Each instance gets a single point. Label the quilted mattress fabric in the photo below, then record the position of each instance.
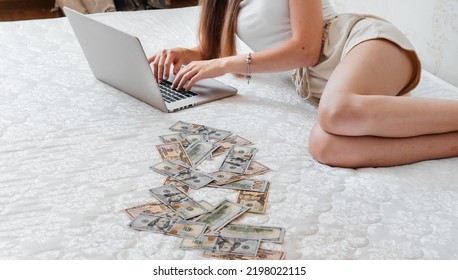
(75, 152)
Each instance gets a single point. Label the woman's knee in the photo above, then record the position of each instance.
(331, 150)
(341, 114)
(321, 145)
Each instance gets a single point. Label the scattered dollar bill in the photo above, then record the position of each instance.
(155, 208)
(263, 254)
(223, 177)
(174, 152)
(202, 243)
(245, 185)
(186, 127)
(256, 201)
(180, 202)
(179, 185)
(196, 137)
(225, 212)
(167, 226)
(175, 138)
(227, 143)
(214, 134)
(182, 173)
(223, 245)
(265, 233)
(238, 159)
(199, 151)
(206, 205)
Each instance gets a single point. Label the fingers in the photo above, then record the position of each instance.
(160, 66)
(151, 59)
(155, 66)
(162, 62)
(192, 82)
(187, 77)
(167, 63)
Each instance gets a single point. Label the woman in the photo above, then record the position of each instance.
(358, 67)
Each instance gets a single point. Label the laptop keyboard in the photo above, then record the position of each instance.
(170, 95)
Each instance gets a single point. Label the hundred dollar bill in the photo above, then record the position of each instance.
(202, 243)
(265, 233)
(238, 159)
(227, 143)
(196, 137)
(174, 152)
(223, 245)
(186, 127)
(256, 201)
(245, 185)
(206, 205)
(199, 151)
(182, 173)
(223, 177)
(222, 214)
(263, 254)
(214, 134)
(167, 226)
(181, 203)
(175, 138)
(155, 208)
(182, 187)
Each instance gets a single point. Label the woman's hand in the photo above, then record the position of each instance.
(176, 57)
(189, 75)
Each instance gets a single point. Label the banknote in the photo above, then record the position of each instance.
(182, 187)
(196, 137)
(238, 159)
(174, 152)
(199, 151)
(175, 138)
(227, 143)
(214, 134)
(245, 185)
(167, 226)
(154, 208)
(181, 203)
(223, 177)
(223, 245)
(206, 205)
(182, 173)
(202, 243)
(265, 233)
(256, 201)
(263, 254)
(222, 214)
(186, 127)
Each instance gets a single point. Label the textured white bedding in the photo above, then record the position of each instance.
(75, 152)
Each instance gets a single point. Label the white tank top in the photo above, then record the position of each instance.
(263, 24)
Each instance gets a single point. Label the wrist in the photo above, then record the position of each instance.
(233, 64)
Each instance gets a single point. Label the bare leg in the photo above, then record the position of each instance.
(359, 98)
(361, 121)
(371, 151)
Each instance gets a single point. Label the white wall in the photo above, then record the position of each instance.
(431, 25)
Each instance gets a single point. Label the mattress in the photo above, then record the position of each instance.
(75, 152)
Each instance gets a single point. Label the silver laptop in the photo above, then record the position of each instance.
(118, 59)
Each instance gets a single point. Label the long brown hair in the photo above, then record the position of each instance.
(217, 28)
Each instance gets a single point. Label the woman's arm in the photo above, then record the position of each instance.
(303, 49)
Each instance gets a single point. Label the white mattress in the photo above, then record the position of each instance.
(75, 152)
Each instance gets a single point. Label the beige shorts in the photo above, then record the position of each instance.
(340, 35)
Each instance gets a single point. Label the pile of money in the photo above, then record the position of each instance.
(201, 225)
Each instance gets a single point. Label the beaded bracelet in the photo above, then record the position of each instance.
(248, 63)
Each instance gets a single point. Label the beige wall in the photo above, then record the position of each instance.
(431, 25)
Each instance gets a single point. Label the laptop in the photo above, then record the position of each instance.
(118, 59)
